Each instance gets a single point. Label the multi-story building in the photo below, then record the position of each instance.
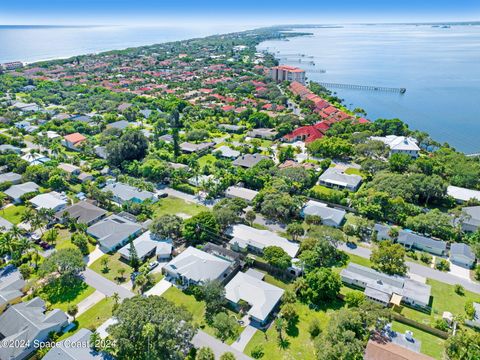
(287, 73)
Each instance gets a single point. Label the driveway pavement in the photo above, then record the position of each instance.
(104, 285)
(422, 270)
(93, 256)
(89, 301)
(202, 339)
(159, 288)
(244, 338)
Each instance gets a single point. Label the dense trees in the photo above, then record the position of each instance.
(389, 258)
(67, 263)
(201, 227)
(277, 257)
(464, 345)
(151, 328)
(319, 285)
(167, 226)
(331, 147)
(130, 146)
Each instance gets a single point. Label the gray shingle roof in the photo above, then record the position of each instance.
(337, 177)
(16, 191)
(249, 160)
(83, 211)
(113, 230)
(315, 208)
(462, 249)
(145, 244)
(126, 192)
(412, 239)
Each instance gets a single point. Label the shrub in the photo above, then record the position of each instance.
(426, 258)
(185, 188)
(314, 328)
(459, 289)
(469, 309)
(442, 265)
(441, 324)
(257, 352)
(25, 270)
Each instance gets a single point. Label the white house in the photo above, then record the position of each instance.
(330, 216)
(462, 195)
(461, 254)
(51, 201)
(399, 144)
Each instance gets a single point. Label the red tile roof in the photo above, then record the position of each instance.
(75, 138)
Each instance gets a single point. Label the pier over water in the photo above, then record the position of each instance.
(363, 87)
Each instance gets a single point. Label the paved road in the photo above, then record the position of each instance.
(184, 196)
(422, 270)
(202, 339)
(104, 285)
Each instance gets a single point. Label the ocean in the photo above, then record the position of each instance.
(439, 67)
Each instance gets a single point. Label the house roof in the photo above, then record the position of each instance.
(398, 143)
(24, 322)
(226, 151)
(379, 282)
(10, 177)
(460, 249)
(66, 349)
(463, 194)
(249, 160)
(121, 124)
(338, 177)
(11, 288)
(198, 265)
(69, 168)
(75, 138)
(113, 230)
(51, 200)
(191, 147)
(244, 236)
(145, 244)
(5, 224)
(83, 211)
(326, 213)
(390, 351)
(473, 213)
(241, 192)
(309, 132)
(409, 238)
(126, 192)
(261, 296)
(16, 191)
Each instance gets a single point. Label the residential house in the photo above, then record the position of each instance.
(75, 347)
(10, 177)
(11, 290)
(35, 158)
(5, 225)
(7, 148)
(73, 141)
(386, 289)
(147, 245)
(70, 169)
(241, 193)
(200, 148)
(471, 221)
(249, 160)
(399, 144)
(250, 239)
(415, 241)
(120, 125)
(51, 201)
(262, 297)
(263, 133)
(194, 267)
(83, 212)
(462, 195)
(306, 134)
(461, 254)
(387, 350)
(15, 192)
(335, 178)
(114, 232)
(83, 177)
(330, 216)
(231, 128)
(475, 322)
(123, 192)
(100, 151)
(26, 323)
(227, 152)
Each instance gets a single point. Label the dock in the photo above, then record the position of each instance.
(363, 87)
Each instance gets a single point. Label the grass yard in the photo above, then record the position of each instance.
(114, 265)
(359, 260)
(444, 299)
(299, 344)
(320, 189)
(431, 344)
(196, 308)
(13, 213)
(60, 296)
(93, 317)
(63, 241)
(206, 159)
(173, 205)
(353, 171)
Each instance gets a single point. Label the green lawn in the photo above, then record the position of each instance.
(196, 308)
(353, 171)
(320, 189)
(431, 344)
(13, 213)
(360, 260)
(206, 159)
(62, 296)
(114, 265)
(93, 317)
(299, 343)
(63, 241)
(444, 299)
(173, 205)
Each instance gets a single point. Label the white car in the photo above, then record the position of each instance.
(152, 265)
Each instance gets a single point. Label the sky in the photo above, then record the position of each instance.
(230, 12)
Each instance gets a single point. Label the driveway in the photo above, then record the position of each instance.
(202, 339)
(460, 271)
(93, 256)
(89, 301)
(159, 288)
(104, 285)
(244, 338)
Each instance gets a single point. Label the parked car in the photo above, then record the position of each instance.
(162, 195)
(44, 245)
(152, 265)
(35, 237)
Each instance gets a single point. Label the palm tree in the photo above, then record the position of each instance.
(2, 201)
(16, 232)
(28, 215)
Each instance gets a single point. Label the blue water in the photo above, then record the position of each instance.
(35, 43)
(440, 68)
